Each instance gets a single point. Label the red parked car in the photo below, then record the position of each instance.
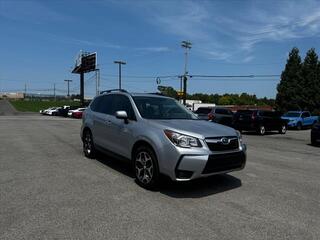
(78, 113)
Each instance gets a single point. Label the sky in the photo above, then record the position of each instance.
(40, 41)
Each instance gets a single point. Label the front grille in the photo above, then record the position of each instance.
(217, 144)
(224, 162)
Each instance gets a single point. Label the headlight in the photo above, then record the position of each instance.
(240, 137)
(181, 140)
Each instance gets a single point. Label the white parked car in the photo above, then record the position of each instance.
(53, 111)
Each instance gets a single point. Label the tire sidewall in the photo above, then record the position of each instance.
(281, 129)
(93, 151)
(155, 178)
(299, 126)
(262, 130)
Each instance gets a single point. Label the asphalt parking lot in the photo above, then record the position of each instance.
(49, 190)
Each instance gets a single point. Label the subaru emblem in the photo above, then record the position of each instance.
(225, 141)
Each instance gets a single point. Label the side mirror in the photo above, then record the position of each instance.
(122, 115)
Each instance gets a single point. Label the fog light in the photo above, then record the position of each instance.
(183, 174)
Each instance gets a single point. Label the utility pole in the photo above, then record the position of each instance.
(187, 46)
(97, 81)
(68, 82)
(54, 92)
(120, 63)
(25, 89)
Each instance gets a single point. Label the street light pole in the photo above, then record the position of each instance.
(68, 82)
(120, 63)
(187, 46)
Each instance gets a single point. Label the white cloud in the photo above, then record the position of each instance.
(248, 59)
(231, 30)
(30, 11)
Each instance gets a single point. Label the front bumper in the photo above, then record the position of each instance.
(191, 167)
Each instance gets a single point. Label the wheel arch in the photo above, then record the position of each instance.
(86, 128)
(140, 143)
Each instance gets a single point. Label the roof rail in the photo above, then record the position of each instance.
(113, 90)
(157, 93)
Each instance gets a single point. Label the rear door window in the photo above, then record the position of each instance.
(305, 114)
(102, 104)
(203, 110)
(222, 111)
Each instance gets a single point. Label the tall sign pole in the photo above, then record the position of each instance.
(97, 81)
(187, 46)
(85, 63)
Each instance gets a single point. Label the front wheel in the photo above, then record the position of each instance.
(299, 126)
(146, 167)
(283, 129)
(261, 130)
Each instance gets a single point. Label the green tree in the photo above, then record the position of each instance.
(168, 91)
(310, 81)
(289, 88)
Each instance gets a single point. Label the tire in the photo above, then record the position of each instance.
(299, 126)
(261, 130)
(88, 144)
(146, 167)
(283, 129)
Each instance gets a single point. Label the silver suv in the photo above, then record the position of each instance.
(159, 136)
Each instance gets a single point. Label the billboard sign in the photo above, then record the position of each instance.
(86, 62)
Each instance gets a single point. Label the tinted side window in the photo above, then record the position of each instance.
(94, 105)
(222, 111)
(268, 114)
(305, 114)
(105, 105)
(202, 110)
(122, 103)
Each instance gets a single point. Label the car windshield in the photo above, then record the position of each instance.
(292, 114)
(162, 108)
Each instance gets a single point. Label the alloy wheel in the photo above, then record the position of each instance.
(144, 167)
(87, 144)
(262, 130)
(283, 129)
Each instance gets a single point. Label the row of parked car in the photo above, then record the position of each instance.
(262, 121)
(64, 111)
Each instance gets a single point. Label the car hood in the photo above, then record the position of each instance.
(290, 118)
(196, 128)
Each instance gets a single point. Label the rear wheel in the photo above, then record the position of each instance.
(146, 167)
(261, 130)
(283, 129)
(88, 144)
(299, 126)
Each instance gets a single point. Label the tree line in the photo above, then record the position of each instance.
(224, 99)
(299, 87)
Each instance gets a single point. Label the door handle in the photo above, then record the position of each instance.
(108, 122)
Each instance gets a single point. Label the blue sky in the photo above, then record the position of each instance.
(40, 41)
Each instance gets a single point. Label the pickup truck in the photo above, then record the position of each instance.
(300, 119)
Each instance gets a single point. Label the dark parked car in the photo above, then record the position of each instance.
(259, 121)
(221, 115)
(315, 134)
(202, 112)
(63, 112)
